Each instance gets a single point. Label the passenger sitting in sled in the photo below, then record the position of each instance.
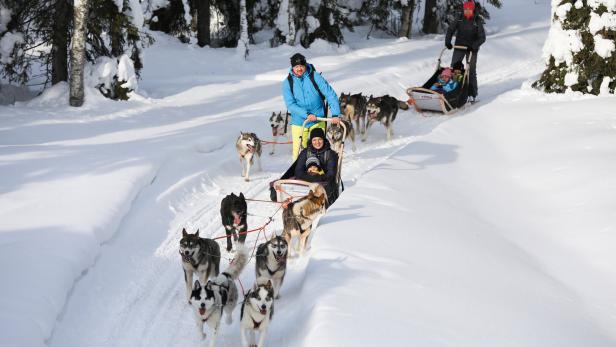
(319, 163)
(445, 82)
(458, 74)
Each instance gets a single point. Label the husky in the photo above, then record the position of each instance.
(271, 262)
(298, 217)
(233, 212)
(335, 134)
(257, 312)
(199, 255)
(382, 109)
(218, 295)
(280, 126)
(354, 109)
(248, 146)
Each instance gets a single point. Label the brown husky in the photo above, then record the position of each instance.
(298, 217)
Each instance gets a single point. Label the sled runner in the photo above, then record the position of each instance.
(425, 99)
(287, 187)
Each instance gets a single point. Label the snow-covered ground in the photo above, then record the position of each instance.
(492, 227)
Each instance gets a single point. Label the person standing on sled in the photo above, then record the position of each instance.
(318, 163)
(469, 32)
(305, 92)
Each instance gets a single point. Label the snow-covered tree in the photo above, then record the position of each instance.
(580, 48)
(78, 53)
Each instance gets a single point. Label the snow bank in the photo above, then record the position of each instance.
(494, 229)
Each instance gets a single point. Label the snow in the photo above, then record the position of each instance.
(7, 43)
(5, 18)
(126, 72)
(493, 227)
(603, 47)
(571, 78)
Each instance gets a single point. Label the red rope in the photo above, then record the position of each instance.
(276, 143)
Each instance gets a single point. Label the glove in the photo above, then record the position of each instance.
(448, 45)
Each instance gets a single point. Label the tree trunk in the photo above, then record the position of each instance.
(78, 53)
(59, 46)
(407, 19)
(203, 22)
(430, 23)
(242, 44)
(292, 20)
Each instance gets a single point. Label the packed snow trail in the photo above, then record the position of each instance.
(134, 293)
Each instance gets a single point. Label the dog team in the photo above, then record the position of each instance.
(213, 293)
(307, 96)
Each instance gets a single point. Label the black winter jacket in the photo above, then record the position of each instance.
(469, 32)
(330, 166)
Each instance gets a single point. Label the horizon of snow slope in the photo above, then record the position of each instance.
(93, 200)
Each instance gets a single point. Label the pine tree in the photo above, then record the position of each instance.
(580, 48)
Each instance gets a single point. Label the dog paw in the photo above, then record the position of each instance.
(271, 153)
(247, 179)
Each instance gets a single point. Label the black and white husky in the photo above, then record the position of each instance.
(271, 261)
(248, 146)
(233, 212)
(199, 255)
(280, 126)
(336, 134)
(381, 109)
(354, 109)
(218, 295)
(257, 312)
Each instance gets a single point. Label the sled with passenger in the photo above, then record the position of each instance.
(426, 99)
(288, 187)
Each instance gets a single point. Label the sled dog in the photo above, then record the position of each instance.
(335, 134)
(354, 109)
(233, 212)
(271, 261)
(218, 295)
(199, 255)
(298, 217)
(280, 126)
(248, 146)
(257, 312)
(381, 109)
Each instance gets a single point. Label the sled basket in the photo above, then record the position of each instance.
(425, 99)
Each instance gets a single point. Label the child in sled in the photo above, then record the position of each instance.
(445, 82)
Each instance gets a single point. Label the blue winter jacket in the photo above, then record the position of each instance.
(449, 86)
(306, 100)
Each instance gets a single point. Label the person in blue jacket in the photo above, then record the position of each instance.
(305, 92)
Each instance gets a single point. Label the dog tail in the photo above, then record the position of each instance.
(239, 262)
(403, 105)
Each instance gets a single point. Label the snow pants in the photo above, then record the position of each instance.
(458, 55)
(296, 132)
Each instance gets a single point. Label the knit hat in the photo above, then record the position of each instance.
(469, 5)
(298, 59)
(447, 72)
(313, 161)
(317, 132)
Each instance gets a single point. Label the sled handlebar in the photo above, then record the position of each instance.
(464, 48)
